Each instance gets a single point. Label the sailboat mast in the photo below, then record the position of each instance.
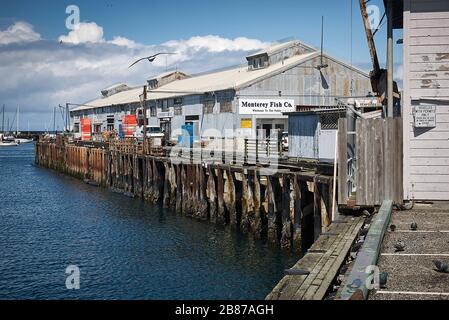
(54, 120)
(3, 119)
(17, 124)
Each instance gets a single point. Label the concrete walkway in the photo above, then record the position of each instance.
(411, 273)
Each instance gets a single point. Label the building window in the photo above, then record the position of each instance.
(177, 101)
(110, 123)
(208, 106)
(165, 106)
(97, 128)
(178, 111)
(225, 106)
(153, 112)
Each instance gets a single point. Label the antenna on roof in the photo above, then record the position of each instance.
(322, 66)
(324, 83)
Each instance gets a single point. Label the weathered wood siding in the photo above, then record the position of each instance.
(378, 166)
(426, 81)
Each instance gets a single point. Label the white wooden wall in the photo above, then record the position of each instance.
(426, 81)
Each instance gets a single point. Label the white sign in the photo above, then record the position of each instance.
(266, 106)
(165, 114)
(425, 116)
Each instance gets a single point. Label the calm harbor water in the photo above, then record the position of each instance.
(125, 249)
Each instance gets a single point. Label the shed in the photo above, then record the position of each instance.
(312, 133)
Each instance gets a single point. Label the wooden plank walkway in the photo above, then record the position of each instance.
(321, 264)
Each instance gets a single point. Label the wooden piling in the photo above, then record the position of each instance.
(286, 233)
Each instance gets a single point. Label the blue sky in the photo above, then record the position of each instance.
(150, 24)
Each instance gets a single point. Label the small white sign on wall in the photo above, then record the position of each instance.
(425, 116)
(266, 106)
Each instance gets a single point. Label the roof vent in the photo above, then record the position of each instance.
(114, 89)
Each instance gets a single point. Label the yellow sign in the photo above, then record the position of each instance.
(246, 123)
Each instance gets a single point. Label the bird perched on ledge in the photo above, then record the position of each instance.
(441, 266)
(399, 246)
(414, 226)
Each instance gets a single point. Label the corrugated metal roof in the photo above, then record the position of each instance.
(235, 78)
(217, 81)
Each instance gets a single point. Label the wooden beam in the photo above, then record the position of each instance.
(368, 254)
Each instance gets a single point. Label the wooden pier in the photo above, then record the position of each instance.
(312, 277)
(289, 207)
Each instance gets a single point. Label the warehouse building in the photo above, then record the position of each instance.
(245, 101)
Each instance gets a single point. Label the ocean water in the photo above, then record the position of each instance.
(123, 247)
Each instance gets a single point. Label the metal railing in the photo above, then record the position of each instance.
(244, 151)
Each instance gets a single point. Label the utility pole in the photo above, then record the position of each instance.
(67, 114)
(144, 102)
(390, 89)
(54, 120)
(64, 118)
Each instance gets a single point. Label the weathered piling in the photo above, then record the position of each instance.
(286, 207)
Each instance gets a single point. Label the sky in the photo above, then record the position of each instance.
(44, 64)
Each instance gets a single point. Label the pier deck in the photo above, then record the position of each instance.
(321, 263)
(411, 273)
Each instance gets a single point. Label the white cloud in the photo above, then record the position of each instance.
(19, 32)
(84, 32)
(214, 43)
(46, 73)
(124, 42)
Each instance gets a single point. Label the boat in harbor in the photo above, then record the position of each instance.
(13, 140)
(22, 141)
(7, 142)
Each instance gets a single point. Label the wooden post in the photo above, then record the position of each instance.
(271, 210)
(212, 195)
(179, 188)
(173, 186)
(221, 218)
(257, 229)
(245, 223)
(166, 196)
(316, 209)
(202, 203)
(229, 197)
(184, 189)
(286, 234)
(342, 162)
(156, 182)
(297, 213)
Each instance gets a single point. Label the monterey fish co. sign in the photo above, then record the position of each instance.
(266, 106)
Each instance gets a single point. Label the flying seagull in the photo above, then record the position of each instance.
(150, 58)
